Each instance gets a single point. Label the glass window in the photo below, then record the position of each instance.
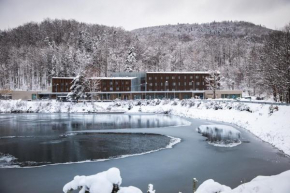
(155, 77)
(167, 77)
(128, 88)
(155, 83)
(196, 77)
(190, 83)
(150, 78)
(184, 77)
(111, 88)
(191, 77)
(173, 77)
(173, 84)
(161, 84)
(197, 83)
(150, 84)
(184, 83)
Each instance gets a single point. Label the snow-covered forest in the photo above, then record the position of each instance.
(249, 57)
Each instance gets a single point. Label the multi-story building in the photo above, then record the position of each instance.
(141, 85)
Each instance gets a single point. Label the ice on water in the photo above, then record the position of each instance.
(220, 135)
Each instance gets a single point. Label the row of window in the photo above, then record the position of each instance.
(173, 77)
(175, 84)
(117, 88)
(104, 83)
(171, 89)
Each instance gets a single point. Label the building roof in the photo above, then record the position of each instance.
(101, 78)
(196, 72)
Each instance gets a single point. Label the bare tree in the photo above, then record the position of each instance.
(213, 81)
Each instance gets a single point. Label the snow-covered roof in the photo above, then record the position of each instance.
(113, 78)
(196, 72)
(101, 78)
(63, 77)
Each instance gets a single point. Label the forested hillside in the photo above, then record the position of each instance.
(33, 53)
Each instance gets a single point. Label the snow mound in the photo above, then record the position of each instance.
(102, 182)
(130, 189)
(210, 186)
(220, 135)
(261, 184)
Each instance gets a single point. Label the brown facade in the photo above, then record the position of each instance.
(63, 84)
(176, 81)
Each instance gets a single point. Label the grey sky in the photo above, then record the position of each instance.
(132, 14)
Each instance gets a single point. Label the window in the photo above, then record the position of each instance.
(178, 77)
(105, 88)
(128, 88)
(127, 82)
(196, 77)
(150, 89)
(173, 84)
(197, 83)
(202, 83)
(161, 77)
(116, 83)
(150, 78)
(167, 77)
(150, 84)
(161, 84)
(155, 83)
(191, 77)
(155, 77)
(117, 88)
(111, 88)
(111, 82)
(178, 83)
(173, 89)
(190, 83)
(173, 77)
(184, 83)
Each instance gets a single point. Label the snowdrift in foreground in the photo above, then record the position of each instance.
(103, 182)
(221, 135)
(262, 184)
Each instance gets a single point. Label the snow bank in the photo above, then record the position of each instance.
(220, 134)
(261, 184)
(103, 182)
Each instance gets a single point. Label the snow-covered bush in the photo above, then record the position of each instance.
(104, 182)
(220, 133)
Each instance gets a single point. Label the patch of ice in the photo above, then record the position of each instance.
(220, 135)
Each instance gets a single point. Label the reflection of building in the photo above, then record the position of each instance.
(135, 85)
(141, 85)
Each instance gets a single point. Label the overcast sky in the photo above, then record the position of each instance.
(132, 14)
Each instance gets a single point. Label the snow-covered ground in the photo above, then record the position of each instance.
(261, 184)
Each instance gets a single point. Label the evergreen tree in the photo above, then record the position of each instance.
(78, 88)
(130, 60)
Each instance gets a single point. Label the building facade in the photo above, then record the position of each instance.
(142, 85)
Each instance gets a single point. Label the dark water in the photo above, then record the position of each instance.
(40, 139)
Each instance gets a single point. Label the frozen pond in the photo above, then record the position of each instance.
(41, 139)
(170, 170)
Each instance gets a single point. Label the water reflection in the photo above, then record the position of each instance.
(39, 139)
